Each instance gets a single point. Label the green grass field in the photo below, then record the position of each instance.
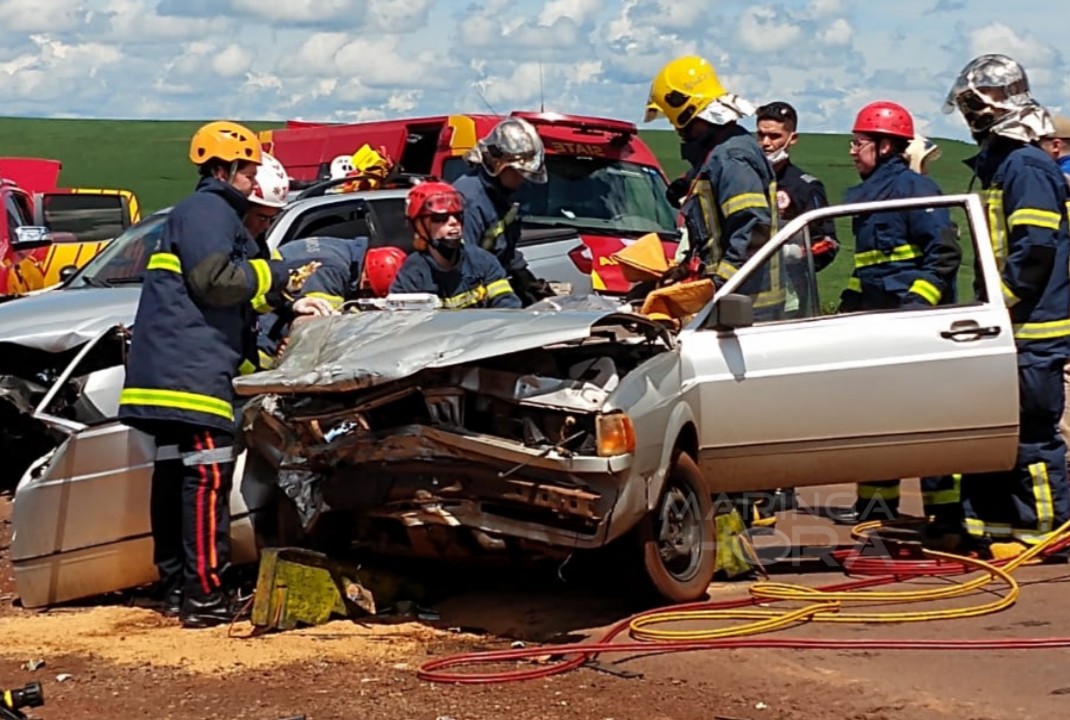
(149, 157)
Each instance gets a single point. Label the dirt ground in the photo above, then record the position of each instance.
(118, 661)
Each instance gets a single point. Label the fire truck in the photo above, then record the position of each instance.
(604, 181)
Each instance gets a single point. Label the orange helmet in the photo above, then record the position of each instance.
(381, 266)
(226, 141)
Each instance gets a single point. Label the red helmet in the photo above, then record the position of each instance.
(885, 118)
(433, 197)
(381, 265)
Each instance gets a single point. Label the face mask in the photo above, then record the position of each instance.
(448, 250)
(777, 156)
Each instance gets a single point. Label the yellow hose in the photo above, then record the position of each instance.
(827, 606)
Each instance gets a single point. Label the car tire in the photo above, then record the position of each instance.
(677, 538)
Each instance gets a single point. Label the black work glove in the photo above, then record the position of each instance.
(529, 288)
(677, 190)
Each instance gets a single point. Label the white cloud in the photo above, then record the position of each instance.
(1038, 57)
(761, 30)
(396, 16)
(580, 12)
(838, 33)
(231, 61)
(136, 21)
(309, 11)
(825, 7)
(55, 16)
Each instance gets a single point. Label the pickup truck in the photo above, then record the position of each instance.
(550, 430)
(51, 231)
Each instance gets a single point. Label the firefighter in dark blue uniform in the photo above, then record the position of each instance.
(902, 259)
(730, 206)
(193, 332)
(346, 268)
(1026, 195)
(512, 153)
(461, 275)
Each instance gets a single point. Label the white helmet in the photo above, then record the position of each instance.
(272, 183)
(341, 166)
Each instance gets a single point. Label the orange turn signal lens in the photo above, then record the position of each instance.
(616, 434)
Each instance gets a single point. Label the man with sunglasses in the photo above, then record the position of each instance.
(509, 155)
(1026, 195)
(461, 274)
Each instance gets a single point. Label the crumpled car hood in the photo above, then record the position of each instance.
(350, 352)
(63, 319)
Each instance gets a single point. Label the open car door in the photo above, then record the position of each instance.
(81, 519)
(794, 392)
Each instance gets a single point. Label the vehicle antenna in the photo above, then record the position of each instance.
(542, 99)
(479, 91)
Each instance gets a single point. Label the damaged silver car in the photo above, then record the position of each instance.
(554, 429)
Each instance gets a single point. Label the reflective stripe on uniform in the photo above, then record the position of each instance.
(948, 496)
(997, 226)
(246, 368)
(263, 276)
(744, 201)
(260, 304)
(927, 290)
(725, 270)
(879, 257)
(884, 492)
(164, 261)
(1009, 298)
(335, 301)
(177, 400)
(1042, 500)
(1035, 217)
(854, 285)
(466, 299)
(979, 528)
(498, 287)
(1042, 330)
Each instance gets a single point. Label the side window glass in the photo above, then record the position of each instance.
(888, 261)
(14, 217)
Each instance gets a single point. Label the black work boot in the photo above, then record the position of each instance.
(203, 611)
(172, 601)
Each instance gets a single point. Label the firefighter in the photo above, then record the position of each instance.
(462, 275)
(267, 199)
(1026, 195)
(509, 155)
(193, 332)
(903, 259)
(729, 207)
(346, 268)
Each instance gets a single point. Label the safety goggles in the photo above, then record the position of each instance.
(441, 217)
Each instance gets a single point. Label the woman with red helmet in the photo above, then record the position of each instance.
(461, 275)
(903, 259)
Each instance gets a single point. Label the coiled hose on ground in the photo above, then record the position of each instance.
(656, 631)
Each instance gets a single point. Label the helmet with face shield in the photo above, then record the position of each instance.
(514, 143)
(992, 93)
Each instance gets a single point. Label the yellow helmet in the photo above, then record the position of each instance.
(226, 141)
(683, 89)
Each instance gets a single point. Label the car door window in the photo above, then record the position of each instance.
(14, 215)
(793, 284)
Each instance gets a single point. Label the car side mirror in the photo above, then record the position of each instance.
(32, 236)
(732, 312)
(67, 272)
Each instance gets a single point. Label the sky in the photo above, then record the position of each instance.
(350, 60)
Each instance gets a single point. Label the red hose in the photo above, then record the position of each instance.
(880, 571)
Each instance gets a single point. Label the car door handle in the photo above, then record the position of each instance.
(966, 331)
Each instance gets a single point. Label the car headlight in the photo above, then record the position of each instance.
(615, 434)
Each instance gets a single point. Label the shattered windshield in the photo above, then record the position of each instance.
(595, 194)
(123, 261)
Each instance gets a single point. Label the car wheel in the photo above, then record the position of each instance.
(677, 538)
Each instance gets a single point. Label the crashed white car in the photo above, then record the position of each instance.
(561, 430)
